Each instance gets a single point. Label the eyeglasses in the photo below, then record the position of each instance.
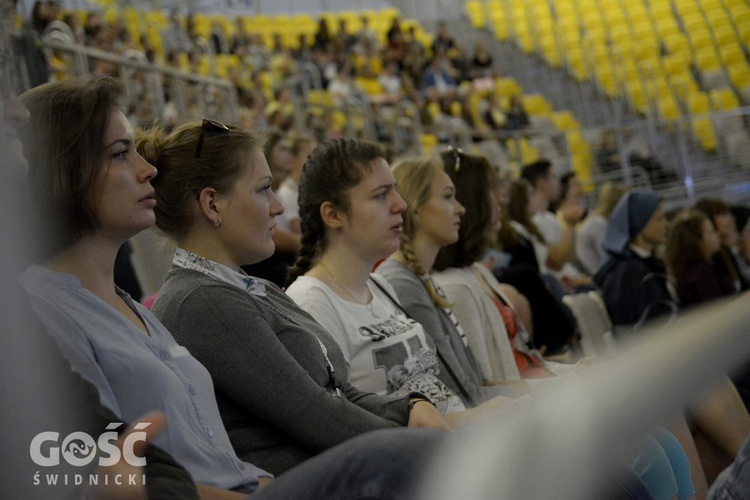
(458, 153)
(208, 126)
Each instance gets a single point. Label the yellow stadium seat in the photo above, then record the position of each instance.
(687, 7)
(507, 87)
(668, 108)
(707, 60)
(683, 84)
(620, 34)
(731, 54)
(477, 14)
(698, 103)
(739, 75)
(723, 100)
(522, 151)
(591, 19)
(724, 35)
(429, 142)
(744, 30)
(694, 22)
(577, 64)
(608, 81)
(536, 104)
(637, 96)
(500, 26)
(676, 43)
(667, 26)
(700, 38)
(675, 63)
(703, 129)
(734, 4)
(564, 120)
(549, 49)
(643, 30)
(718, 17)
(740, 14)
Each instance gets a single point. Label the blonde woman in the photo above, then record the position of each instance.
(348, 228)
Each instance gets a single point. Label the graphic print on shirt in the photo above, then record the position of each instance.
(410, 365)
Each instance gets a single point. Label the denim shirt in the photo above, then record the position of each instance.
(137, 373)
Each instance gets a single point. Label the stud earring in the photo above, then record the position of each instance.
(217, 222)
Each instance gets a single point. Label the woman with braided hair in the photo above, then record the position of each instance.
(350, 225)
(280, 378)
(430, 222)
(347, 227)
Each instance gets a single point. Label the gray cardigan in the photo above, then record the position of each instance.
(269, 370)
(417, 303)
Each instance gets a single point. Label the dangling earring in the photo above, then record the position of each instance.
(217, 222)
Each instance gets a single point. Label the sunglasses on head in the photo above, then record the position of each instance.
(208, 126)
(458, 153)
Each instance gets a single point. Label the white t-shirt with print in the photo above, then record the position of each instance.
(386, 350)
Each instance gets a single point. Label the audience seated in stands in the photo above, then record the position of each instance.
(349, 229)
(118, 345)
(268, 359)
(503, 346)
(633, 281)
(519, 238)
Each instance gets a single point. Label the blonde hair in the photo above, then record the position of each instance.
(413, 180)
(609, 194)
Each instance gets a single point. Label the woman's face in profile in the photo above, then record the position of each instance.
(123, 197)
(439, 218)
(373, 222)
(248, 214)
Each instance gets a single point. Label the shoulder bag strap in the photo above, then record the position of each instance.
(464, 392)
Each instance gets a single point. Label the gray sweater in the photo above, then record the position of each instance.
(459, 359)
(269, 370)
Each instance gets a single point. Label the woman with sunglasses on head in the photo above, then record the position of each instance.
(347, 228)
(280, 378)
(93, 191)
(496, 334)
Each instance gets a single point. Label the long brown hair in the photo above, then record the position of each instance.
(474, 179)
(520, 195)
(63, 144)
(683, 247)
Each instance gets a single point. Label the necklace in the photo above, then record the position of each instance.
(369, 304)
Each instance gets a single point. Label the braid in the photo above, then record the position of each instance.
(311, 237)
(407, 249)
